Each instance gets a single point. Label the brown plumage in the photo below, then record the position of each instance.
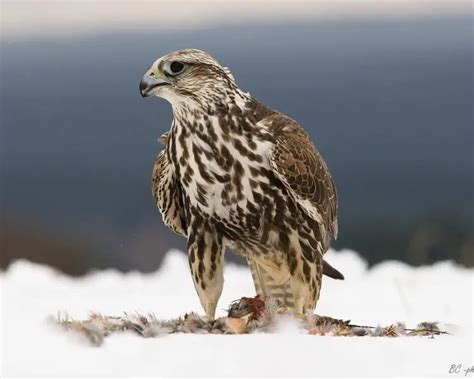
(237, 174)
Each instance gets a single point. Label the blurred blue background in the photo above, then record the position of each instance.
(387, 98)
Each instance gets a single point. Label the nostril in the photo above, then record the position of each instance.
(152, 74)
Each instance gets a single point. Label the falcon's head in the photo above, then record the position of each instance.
(184, 75)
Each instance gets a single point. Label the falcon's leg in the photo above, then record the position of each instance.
(306, 278)
(274, 283)
(271, 282)
(205, 253)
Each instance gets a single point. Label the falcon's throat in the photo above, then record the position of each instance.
(217, 114)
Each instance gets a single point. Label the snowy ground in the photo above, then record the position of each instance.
(387, 293)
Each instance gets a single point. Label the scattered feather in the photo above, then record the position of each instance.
(247, 315)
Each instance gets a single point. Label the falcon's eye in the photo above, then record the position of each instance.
(176, 67)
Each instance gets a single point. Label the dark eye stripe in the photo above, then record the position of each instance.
(176, 67)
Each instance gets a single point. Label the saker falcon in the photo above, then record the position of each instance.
(238, 174)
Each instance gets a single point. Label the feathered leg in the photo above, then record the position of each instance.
(280, 290)
(271, 282)
(296, 288)
(306, 268)
(205, 253)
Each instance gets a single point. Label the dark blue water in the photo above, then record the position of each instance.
(388, 104)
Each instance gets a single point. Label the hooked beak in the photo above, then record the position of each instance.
(149, 82)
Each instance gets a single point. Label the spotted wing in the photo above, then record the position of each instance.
(167, 195)
(301, 168)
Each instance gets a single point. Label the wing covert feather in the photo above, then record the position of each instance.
(167, 195)
(303, 171)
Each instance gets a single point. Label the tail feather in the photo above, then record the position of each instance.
(330, 271)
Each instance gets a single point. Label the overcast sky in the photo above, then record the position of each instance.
(26, 18)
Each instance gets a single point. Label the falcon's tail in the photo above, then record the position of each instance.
(330, 271)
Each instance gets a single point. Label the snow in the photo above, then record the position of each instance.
(389, 292)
